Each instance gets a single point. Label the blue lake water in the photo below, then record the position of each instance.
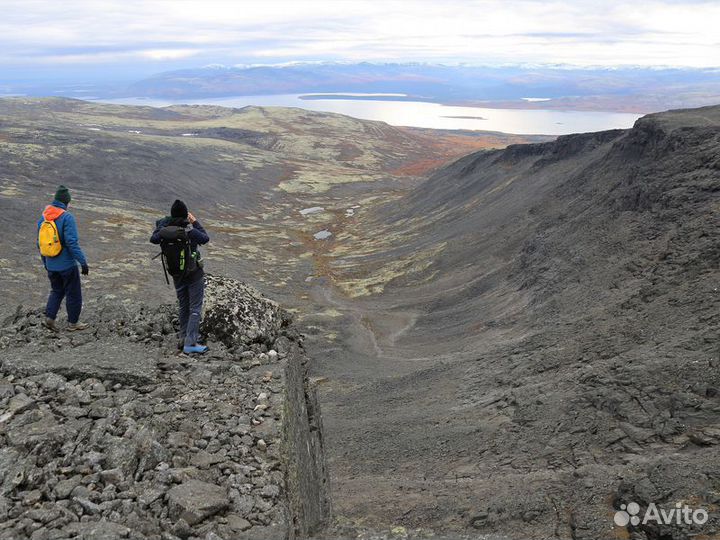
(428, 115)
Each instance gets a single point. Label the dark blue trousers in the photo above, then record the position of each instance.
(190, 298)
(65, 284)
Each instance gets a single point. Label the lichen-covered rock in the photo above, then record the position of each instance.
(236, 314)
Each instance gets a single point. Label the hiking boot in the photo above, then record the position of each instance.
(50, 324)
(76, 327)
(195, 349)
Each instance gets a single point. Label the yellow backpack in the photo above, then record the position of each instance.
(49, 239)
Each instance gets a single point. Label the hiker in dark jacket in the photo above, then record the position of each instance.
(62, 269)
(190, 287)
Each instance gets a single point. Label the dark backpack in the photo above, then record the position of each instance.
(177, 256)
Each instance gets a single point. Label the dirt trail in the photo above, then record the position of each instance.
(362, 337)
(369, 469)
(372, 329)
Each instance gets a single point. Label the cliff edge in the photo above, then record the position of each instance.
(109, 433)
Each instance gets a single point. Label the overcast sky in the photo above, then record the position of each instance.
(143, 36)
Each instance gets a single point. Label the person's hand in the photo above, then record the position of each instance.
(85, 270)
(191, 218)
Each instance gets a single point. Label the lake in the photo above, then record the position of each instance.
(424, 114)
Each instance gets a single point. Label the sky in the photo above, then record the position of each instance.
(125, 39)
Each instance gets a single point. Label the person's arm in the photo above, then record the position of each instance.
(70, 239)
(159, 224)
(197, 234)
(155, 238)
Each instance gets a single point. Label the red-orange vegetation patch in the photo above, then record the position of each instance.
(419, 167)
(287, 172)
(444, 148)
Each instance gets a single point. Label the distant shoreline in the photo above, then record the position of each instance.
(524, 118)
(623, 104)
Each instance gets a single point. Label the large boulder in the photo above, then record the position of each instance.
(237, 315)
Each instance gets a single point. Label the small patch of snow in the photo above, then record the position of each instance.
(322, 235)
(312, 210)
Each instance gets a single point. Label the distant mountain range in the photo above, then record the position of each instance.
(629, 89)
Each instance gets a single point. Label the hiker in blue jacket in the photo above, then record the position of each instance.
(190, 286)
(62, 269)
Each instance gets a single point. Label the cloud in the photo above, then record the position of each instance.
(168, 54)
(46, 32)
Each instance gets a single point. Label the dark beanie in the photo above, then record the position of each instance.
(179, 210)
(63, 195)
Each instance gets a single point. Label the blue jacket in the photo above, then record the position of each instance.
(71, 254)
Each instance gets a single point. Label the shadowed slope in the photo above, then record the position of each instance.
(562, 355)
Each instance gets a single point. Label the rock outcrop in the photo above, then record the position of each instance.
(110, 433)
(238, 316)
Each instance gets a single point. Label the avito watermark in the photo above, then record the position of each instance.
(629, 514)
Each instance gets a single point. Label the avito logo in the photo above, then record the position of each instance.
(629, 514)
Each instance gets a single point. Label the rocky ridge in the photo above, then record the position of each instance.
(109, 433)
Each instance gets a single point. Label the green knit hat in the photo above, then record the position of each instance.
(63, 195)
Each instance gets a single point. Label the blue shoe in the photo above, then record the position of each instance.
(195, 349)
